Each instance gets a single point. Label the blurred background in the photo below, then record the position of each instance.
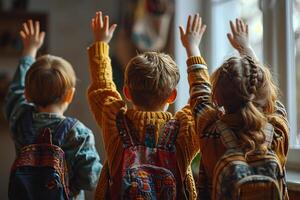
(274, 34)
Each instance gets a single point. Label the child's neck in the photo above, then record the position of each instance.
(54, 108)
(156, 109)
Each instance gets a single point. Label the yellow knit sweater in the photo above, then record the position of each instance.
(106, 103)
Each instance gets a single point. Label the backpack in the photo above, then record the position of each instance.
(254, 176)
(148, 171)
(39, 171)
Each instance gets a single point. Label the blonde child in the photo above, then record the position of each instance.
(243, 128)
(39, 94)
(135, 137)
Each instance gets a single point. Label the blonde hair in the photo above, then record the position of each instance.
(244, 87)
(48, 80)
(151, 77)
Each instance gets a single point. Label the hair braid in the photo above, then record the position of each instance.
(236, 85)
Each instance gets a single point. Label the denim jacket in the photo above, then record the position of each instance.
(79, 145)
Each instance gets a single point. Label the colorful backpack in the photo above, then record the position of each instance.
(244, 177)
(148, 171)
(39, 171)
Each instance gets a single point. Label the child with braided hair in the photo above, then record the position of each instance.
(243, 128)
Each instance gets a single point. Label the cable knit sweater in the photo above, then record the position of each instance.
(106, 103)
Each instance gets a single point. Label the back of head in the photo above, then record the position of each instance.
(151, 77)
(244, 87)
(48, 80)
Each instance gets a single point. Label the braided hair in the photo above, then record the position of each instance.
(245, 88)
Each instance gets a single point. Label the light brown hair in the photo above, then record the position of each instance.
(48, 80)
(150, 78)
(243, 86)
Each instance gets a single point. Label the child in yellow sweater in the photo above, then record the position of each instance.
(150, 85)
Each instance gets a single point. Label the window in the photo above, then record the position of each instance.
(296, 26)
(252, 15)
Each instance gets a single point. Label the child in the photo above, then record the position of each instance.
(134, 138)
(240, 119)
(39, 94)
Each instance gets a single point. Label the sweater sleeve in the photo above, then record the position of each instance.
(15, 98)
(200, 94)
(82, 158)
(104, 99)
(280, 143)
(187, 143)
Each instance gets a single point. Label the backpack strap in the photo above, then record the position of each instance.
(150, 136)
(126, 132)
(228, 137)
(62, 129)
(230, 140)
(269, 133)
(27, 128)
(168, 137)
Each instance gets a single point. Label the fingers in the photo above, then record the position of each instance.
(188, 26)
(112, 28)
(25, 28)
(42, 37)
(237, 25)
(93, 23)
(31, 28)
(194, 25)
(106, 23)
(181, 31)
(195, 22)
(202, 30)
(37, 28)
(22, 34)
(100, 18)
(198, 29)
(243, 26)
(98, 21)
(232, 27)
(230, 38)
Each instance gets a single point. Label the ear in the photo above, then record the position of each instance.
(126, 93)
(68, 98)
(172, 96)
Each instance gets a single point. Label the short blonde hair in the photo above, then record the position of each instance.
(151, 77)
(48, 80)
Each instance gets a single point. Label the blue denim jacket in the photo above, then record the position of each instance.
(79, 145)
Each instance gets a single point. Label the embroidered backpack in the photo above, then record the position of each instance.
(39, 171)
(254, 176)
(149, 171)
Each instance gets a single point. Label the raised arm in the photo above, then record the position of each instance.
(199, 80)
(32, 40)
(104, 99)
(102, 93)
(239, 38)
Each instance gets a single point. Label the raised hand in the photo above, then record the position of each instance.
(32, 38)
(239, 38)
(192, 35)
(101, 29)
